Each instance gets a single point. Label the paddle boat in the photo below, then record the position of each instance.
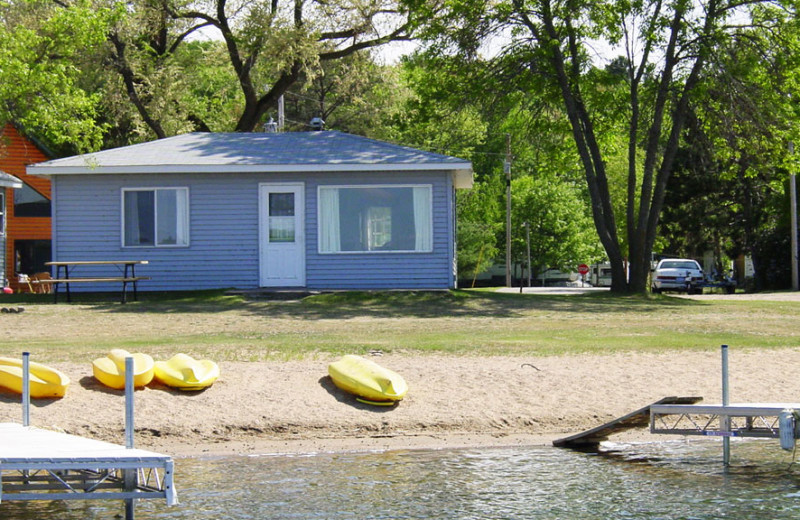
(110, 370)
(186, 373)
(44, 381)
(368, 381)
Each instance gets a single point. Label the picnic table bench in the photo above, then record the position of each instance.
(127, 269)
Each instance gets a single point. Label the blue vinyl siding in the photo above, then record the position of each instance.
(223, 246)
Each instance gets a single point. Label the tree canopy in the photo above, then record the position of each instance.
(41, 56)
(262, 47)
(664, 49)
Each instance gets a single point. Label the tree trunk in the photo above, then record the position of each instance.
(255, 109)
(120, 63)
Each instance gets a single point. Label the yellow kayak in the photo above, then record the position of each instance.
(186, 373)
(110, 370)
(370, 382)
(44, 381)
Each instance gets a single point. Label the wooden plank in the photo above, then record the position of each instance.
(636, 419)
(93, 280)
(99, 262)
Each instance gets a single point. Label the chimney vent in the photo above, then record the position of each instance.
(317, 124)
(271, 127)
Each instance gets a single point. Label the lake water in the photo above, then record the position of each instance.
(658, 480)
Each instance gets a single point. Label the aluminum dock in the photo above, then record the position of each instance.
(682, 416)
(716, 420)
(38, 464)
(726, 420)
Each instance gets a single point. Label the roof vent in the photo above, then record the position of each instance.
(317, 124)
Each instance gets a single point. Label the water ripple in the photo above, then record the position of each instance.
(664, 480)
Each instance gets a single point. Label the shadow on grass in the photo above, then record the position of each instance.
(379, 304)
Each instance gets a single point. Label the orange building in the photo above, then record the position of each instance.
(25, 211)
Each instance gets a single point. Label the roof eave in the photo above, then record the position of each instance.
(9, 181)
(464, 168)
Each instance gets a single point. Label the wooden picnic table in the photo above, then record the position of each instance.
(127, 269)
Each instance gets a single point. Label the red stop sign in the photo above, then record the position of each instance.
(583, 269)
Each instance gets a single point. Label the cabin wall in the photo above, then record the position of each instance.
(223, 249)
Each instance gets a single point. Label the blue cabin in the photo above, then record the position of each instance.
(315, 210)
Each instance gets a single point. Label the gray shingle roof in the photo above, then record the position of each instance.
(288, 151)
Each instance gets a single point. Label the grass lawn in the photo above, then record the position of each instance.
(227, 328)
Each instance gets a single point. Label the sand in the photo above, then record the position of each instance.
(292, 407)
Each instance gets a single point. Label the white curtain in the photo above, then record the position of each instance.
(330, 238)
(182, 216)
(131, 217)
(423, 219)
(139, 215)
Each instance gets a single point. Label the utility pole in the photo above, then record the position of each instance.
(793, 210)
(528, 249)
(507, 170)
(281, 114)
(793, 205)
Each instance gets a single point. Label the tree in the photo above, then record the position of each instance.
(40, 48)
(735, 158)
(561, 231)
(269, 47)
(354, 94)
(479, 223)
(465, 108)
(666, 46)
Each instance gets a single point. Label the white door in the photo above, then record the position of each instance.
(283, 258)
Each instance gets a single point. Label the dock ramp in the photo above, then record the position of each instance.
(637, 419)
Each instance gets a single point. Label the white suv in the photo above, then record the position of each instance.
(678, 274)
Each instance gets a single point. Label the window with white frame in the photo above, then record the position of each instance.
(380, 218)
(155, 217)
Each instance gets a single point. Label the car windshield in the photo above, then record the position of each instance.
(678, 265)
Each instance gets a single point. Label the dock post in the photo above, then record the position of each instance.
(129, 403)
(129, 475)
(26, 397)
(26, 389)
(725, 421)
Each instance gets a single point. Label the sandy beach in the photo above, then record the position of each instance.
(453, 401)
